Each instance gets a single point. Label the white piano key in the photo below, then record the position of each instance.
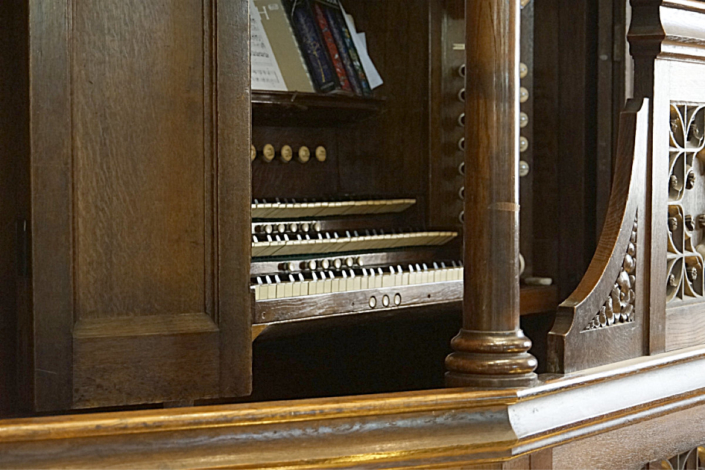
(364, 279)
(356, 281)
(346, 283)
(399, 276)
(379, 278)
(289, 286)
(271, 289)
(280, 288)
(336, 287)
(388, 280)
(328, 284)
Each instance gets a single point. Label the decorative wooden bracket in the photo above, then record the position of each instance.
(603, 319)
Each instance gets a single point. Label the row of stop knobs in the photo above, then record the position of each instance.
(324, 264)
(523, 122)
(286, 153)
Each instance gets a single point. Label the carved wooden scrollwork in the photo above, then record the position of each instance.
(686, 204)
(619, 306)
(602, 320)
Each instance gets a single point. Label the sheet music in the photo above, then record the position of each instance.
(265, 72)
(360, 41)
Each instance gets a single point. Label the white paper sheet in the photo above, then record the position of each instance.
(373, 76)
(265, 72)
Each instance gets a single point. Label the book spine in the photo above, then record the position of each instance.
(352, 50)
(315, 54)
(344, 51)
(332, 48)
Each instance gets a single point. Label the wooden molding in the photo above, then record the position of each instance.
(668, 29)
(436, 429)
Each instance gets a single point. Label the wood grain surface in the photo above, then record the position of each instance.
(140, 203)
(431, 429)
(491, 349)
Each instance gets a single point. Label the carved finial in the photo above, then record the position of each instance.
(690, 180)
(692, 272)
(675, 124)
(673, 181)
(672, 280)
(689, 224)
(700, 220)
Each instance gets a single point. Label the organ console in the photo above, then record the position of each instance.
(138, 285)
(315, 259)
(317, 255)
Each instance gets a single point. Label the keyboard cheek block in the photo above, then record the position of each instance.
(355, 302)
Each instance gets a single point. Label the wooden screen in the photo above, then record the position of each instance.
(668, 44)
(139, 130)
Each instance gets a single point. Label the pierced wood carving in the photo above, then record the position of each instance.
(694, 459)
(619, 306)
(686, 204)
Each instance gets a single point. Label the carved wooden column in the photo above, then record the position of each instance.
(491, 350)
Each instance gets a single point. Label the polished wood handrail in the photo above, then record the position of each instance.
(432, 429)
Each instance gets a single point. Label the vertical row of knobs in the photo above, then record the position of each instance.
(286, 154)
(523, 119)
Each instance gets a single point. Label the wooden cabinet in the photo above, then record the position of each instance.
(129, 140)
(125, 255)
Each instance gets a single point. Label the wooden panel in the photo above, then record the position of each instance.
(685, 327)
(445, 132)
(671, 72)
(232, 252)
(141, 201)
(52, 277)
(140, 186)
(655, 439)
(389, 154)
(603, 319)
(314, 306)
(564, 140)
(13, 144)
(161, 357)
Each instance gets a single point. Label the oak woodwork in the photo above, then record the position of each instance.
(408, 147)
(289, 109)
(490, 349)
(667, 40)
(532, 300)
(130, 341)
(654, 408)
(136, 210)
(13, 141)
(589, 330)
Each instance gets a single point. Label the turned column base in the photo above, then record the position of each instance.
(490, 360)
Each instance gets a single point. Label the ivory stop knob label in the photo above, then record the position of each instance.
(321, 154)
(304, 154)
(287, 154)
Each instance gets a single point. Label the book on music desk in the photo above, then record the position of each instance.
(284, 45)
(265, 73)
(346, 46)
(329, 40)
(306, 30)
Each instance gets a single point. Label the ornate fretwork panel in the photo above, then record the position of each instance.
(694, 459)
(686, 204)
(619, 306)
